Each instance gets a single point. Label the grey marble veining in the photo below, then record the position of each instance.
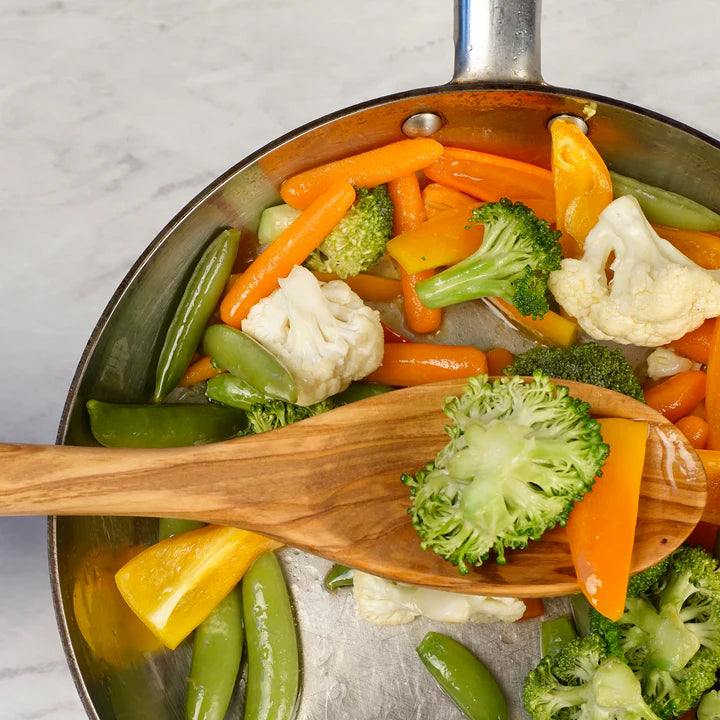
(113, 115)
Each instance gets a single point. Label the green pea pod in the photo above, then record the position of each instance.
(168, 527)
(272, 649)
(665, 207)
(201, 296)
(581, 611)
(555, 633)
(234, 391)
(135, 426)
(246, 358)
(361, 390)
(339, 576)
(217, 651)
(463, 677)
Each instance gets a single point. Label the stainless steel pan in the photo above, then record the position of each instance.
(497, 101)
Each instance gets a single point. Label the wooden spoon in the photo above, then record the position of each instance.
(330, 485)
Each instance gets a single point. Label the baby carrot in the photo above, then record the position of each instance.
(695, 429)
(490, 177)
(702, 248)
(406, 364)
(696, 343)
(367, 169)
(678, 395)
(498, 359)
(202, 369)
(438, 197)
(290, 248)
(601, 527)
(712, 393)
(408, 213)
(366, 286)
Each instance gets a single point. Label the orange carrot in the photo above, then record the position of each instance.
(582, 184)
(498, 359)
(290, 248)
(534, 608)
(201, 370)
(551, 327)
(696, 343)
(695, 429)
(366, 286)
(408, 213)
(704, 534)
(601, 527)
(678, 395)
(406, 364)
(490, 177)
(438, 197)
(367, 169)
(702, 248)
(712, 393)
(442, 240)
(711, 462)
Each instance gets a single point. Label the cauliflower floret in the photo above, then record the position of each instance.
(383, 602)
(664, 362)
(323, 332)
(656, 294)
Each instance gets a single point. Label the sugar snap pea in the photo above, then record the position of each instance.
(339, 576)
(555, 633)
(664, 207)
(246, 358)
(217, 651)
(272, 649)
(361, 390)
(200, 298)
(581, 612)
(167, 527)
(233, 391)
(134, 426)
(463, 677)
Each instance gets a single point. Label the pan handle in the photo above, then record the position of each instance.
(497, 41)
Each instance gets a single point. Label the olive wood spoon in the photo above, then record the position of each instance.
(330, 485)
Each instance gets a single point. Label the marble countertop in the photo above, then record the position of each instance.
(114, 115)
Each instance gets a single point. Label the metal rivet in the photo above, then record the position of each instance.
(574, 119)
(422, 124)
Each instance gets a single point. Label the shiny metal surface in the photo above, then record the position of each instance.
(350, 669)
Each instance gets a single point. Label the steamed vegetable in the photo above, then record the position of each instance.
(323, 333)
(679, 395)
(520, 454)
(587, 363)
(513, 263)
(358, 240)
(383, 602)
(663, 362)
(656, 295)
(709, 707)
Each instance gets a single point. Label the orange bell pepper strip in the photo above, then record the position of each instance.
(695, 429)
(490, 177)
(406, 364)
(534, 608)
(583, 188)
(696, 343)
(601, 527)
(438, 197)
(498, 359)
(711, 462)
(679, 395)
(366, 286)
(408, 213)
(444, 239)
(290, 248)
(702, 248)
(704, 534)
(367, 169)
(712, 392)
(200, 370)
(551, 327)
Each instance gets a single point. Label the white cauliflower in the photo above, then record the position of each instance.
(383, 602)
(323, 332)
(656, 294)
(664, 362)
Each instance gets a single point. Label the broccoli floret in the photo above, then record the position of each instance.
(520, 454)
(517, 254)
(275, 414)
(588, 363)
(359, 239)
(669, 633)
(709, 707)
(584, 682)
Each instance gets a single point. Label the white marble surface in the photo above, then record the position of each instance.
(113, 115)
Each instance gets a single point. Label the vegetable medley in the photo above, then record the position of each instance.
(583, 262)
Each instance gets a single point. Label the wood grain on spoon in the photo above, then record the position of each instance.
(330, 485)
